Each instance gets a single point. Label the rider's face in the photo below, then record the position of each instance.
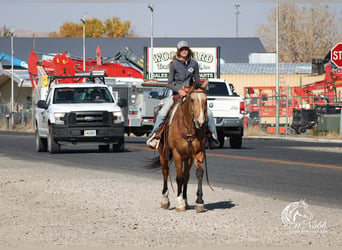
(184, 52)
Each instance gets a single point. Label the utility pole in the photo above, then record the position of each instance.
(237, 12)
(151, 7)
(277, 68)
(83, 19)
(12, 79)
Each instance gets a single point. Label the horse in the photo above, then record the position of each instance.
(184, 142)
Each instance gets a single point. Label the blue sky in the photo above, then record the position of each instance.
(171, 18)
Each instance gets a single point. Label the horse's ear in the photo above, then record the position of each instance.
(204, 85)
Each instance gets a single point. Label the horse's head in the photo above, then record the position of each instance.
(198, 107)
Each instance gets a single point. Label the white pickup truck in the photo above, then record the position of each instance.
(78, 113)
(227, 108)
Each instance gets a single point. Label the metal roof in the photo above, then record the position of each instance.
(232, 50)
(21, 77)
(266, 68)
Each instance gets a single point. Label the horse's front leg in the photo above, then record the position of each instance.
(199, 206)
(186, 174)
(181, 206)
(165, 202)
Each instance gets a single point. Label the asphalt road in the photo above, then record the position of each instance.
(281, 169)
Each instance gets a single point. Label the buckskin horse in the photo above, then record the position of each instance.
(184, 141)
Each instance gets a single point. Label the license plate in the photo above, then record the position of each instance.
(89, 132)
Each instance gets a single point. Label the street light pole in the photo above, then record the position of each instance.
(83, 23)
(277, 68)
(12, 79)
(151, 7)
(237, 12)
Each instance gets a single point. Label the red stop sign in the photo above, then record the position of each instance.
(336, 55)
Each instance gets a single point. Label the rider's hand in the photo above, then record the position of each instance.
(181, 92)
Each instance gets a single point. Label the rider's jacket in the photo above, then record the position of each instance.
(181, 74)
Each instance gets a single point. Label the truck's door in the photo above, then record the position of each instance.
(43, 117)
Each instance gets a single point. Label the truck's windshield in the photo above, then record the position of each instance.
(82, 95)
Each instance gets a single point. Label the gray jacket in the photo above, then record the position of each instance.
(181, 74)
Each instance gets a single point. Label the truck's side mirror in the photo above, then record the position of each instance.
(122, 103)
(42, 104)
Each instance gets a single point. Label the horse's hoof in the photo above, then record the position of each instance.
(181, 209)
(181, 205)
(165, 205)
(199, 208)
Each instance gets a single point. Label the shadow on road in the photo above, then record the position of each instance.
(219, 205)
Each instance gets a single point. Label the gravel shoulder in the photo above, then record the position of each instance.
(48, 205)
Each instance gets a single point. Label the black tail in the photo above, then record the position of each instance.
(153, 163)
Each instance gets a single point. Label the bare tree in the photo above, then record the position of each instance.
(304, 33)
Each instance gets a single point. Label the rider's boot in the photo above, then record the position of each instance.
(213, 143)
(153, 141)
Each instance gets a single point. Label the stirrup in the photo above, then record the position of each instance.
(213, 143)
(153, 142)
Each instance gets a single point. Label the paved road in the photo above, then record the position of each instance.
(282, 169)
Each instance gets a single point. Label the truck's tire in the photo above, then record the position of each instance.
(236, 141)
(40, 142)
(139, 132)
(120, 147)
(52, 146)
(220, 138)
(104, 148)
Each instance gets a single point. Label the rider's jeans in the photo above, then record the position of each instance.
(165, 109)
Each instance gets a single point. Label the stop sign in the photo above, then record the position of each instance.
(336, 55)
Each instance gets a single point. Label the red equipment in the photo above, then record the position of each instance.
(64, 65)
(261, 100)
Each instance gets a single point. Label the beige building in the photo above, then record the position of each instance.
(251, 75)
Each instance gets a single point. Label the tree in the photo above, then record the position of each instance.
(304, 33)
(96, 28)
(5, 32)
(115, 28)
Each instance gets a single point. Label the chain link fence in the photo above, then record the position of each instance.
(297, 114)
(22, 116)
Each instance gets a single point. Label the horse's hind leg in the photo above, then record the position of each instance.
(165, 202)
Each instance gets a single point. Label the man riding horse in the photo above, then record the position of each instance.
(183, 71)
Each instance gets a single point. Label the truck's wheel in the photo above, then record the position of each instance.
(104, 148)
(120, 147)
(40, 142)
(220, 138)
(236, 141)
(52, 146)
(139, 132)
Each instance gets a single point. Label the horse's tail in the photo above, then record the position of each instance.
(153, 163)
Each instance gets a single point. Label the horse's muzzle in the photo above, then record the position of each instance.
(199, 124)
